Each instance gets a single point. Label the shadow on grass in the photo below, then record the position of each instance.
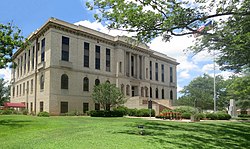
(194, 135)
(14, 123)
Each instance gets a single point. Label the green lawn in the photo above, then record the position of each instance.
(117, 133)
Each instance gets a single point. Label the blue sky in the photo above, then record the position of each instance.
(30, 15)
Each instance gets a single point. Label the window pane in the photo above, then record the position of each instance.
(97, 57)
(64, 107)
(85, 107)
(86, 54)
(85, 84)
(64, 81)
(65, 48)
(41, 106)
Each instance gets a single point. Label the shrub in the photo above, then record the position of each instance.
(43, 114)
(123, 109)
(166, 110)
(7, 111)
(103, 113)
(25, 112)
(132, 112)
(186, 115)
(244, 115)
(223, 116)
(186, 109)
(212, 116)
(200, 115)
(144, 113)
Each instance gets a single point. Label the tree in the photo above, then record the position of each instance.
(10, 39)
(167, 18)
(231, 38)
(4, 91)
(199, 92)
(107, 95)
(239, 90)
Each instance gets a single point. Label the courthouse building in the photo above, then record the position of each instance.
(63, 62)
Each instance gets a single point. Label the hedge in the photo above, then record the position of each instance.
(105, 113)
(43, 114)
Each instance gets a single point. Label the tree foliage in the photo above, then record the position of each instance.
(232, 39)
(199, 93)
(239, 90)
(10, 39)
(152, 18)
(108, 95)
(4, 91)
(168, 18)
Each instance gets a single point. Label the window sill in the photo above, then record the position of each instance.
(66, 64)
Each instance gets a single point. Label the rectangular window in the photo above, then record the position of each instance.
(65, 48)
(171, 74)
(120, 67)
(24, 63)
(27, 87)
(85, 107)
(43, 50)
(97, 106)
(23, 88)
(140, 67)
(21, 66)
(156, 71)
(13, 91)
(162, 72)
(31, 86)
(41, 106)
(97, 57)
(108, 59)
(18, 66)
(20, 91)
(17, 90)
(31, 107)
(150, 70)
(64, 107)
(33, 57)
(86, 55)
(132, 65)
(28, 60)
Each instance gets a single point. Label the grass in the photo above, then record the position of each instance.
(117, 133)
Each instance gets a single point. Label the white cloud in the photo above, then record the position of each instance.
(101, 28)
(202, 56)
(225, 74)
(209, 67)
(184, 75)
(5, 74)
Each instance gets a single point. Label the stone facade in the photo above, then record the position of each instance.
(85, 56)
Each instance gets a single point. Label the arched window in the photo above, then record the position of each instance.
(127, 90)
(146, 91)
(171, 95)
(162, 94)
(42, 82)
(122, 88)
(97, 81)
(156, 93)
(108, 81)
(86, 84)
(142, 92)
(151, 92)
(64, 81)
